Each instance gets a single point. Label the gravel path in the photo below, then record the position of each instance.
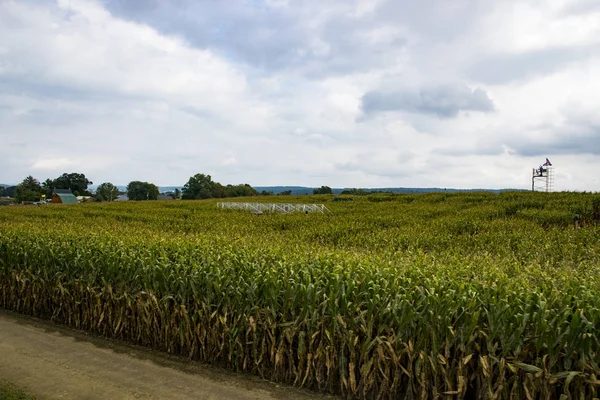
(52, 362)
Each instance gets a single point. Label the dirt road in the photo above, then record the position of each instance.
(52, 362)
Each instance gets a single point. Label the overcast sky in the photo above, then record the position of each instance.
(352, 93)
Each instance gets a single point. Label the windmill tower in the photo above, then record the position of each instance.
(542, 178)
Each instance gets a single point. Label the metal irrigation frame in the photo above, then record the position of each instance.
(284, 208)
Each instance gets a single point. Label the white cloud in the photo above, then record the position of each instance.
(80, 45)
(534, 26)
(52, 163)
(362, 7)
(270, 92)
(229, 161)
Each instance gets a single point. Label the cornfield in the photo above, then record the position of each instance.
(469, 295)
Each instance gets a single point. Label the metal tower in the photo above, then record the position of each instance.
(542, 178)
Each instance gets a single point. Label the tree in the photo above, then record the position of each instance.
(241, 190)
(10, 191)
(77, 183)
(219, 191)
(199, 186)
(1, 191)
(30, 183)
(323, 190)
(107, 192)
(137, 190)
(357, 192)
(28, 190)
(48, 187)
(286, 193)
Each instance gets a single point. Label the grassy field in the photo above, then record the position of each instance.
(390, 296)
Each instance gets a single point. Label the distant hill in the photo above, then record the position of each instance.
(301, 190)
(278, 189)
(298, 190)
(164, 189)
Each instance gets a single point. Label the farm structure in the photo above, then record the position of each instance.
(63, 196)
(542, 178)
(283, 208)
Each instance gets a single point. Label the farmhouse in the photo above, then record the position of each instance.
(63, 196)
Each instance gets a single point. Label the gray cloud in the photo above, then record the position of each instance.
(197, 112)
(46, 117)
(249, 32)
(320, 40)
(389, 163)
(284, 92)
(444, 101)
(574, 136)
(587, 144)
(35, 86)
(313, 38)
(581, 7)
(506, 68)
(479, 148)
(578, 134)
(278, 37)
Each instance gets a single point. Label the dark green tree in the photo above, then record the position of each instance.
(219, 191)
(240, 190)
(10, 191)
(78, 183)
(323, 190)
(199, 186)
(107, 192)
(30, 183)
(48, 187)
(286, 193)
(137, 190)
(1, 191)
(28, 190)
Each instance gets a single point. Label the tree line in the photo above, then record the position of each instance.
(199, 186)
(30, 189)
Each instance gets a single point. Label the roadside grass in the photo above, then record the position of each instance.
(10, 392)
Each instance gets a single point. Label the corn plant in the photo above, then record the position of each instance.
(470, 295)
